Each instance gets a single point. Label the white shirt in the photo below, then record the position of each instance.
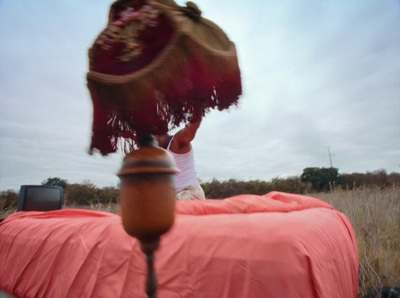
(185, 163)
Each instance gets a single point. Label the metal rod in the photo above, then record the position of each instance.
(151, 285)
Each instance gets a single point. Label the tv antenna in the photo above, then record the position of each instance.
(330, 157)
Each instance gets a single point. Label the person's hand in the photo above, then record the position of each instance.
(194, 125)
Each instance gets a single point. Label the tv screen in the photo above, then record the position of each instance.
(40, 198)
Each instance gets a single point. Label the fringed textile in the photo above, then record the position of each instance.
(155, 66)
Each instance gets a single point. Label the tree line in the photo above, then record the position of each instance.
(312, 179)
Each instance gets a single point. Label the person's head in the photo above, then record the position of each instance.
(163, 140)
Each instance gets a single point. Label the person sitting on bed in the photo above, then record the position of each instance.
(179, 145)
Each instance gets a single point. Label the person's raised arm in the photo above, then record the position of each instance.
(184, 137)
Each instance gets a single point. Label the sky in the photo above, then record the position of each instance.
(320, 78)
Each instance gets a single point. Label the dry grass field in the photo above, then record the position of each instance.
(375, 215)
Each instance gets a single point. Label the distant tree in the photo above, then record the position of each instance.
(320, 178)
(376, 178)
(213, 189)
(382, 178)
(78, 194)
(225, 189)
(108, 195)
(8, 199)
(290, 184)
(394, 179)
(55, 181)
(256, 187)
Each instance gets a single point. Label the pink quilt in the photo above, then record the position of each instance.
(276, 245)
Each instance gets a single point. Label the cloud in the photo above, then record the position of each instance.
(315, 74)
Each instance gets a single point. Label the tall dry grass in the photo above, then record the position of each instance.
(375, 216)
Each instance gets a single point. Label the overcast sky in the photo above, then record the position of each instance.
(315, 74)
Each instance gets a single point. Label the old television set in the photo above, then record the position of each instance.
(40, 198)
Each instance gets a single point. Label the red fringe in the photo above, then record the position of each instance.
(113, 130)
(177, 92)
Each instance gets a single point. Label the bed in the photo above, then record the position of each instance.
(274, 245)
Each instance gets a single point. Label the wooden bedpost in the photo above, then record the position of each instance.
(147, 199)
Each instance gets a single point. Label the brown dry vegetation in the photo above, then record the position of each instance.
(375, 215)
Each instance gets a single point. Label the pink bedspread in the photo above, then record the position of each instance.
(276, 245)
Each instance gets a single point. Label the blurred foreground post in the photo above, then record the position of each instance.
(147, 199)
